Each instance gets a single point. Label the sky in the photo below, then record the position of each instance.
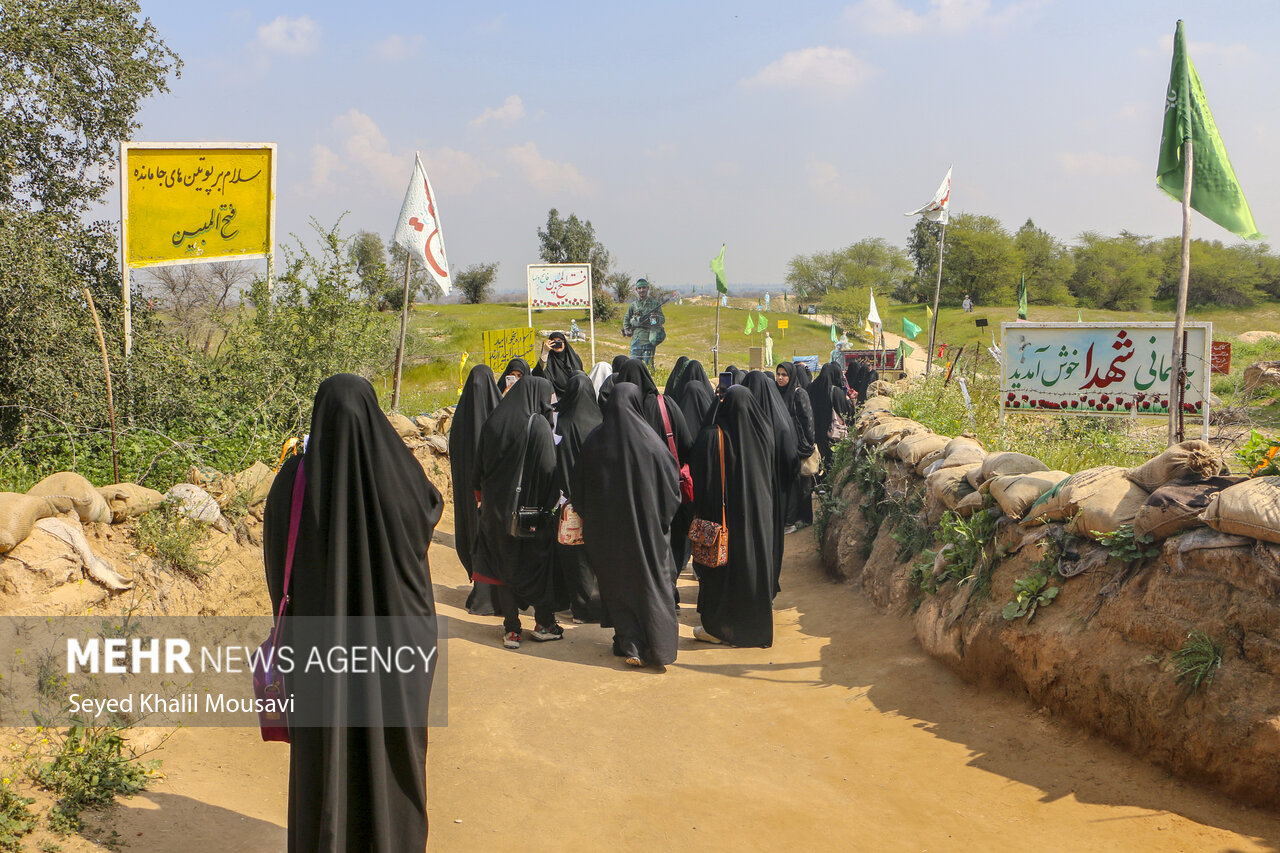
(776, 129)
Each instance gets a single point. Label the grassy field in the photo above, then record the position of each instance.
(440, 334)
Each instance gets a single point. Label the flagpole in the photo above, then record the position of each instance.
(1177, 367)
(937, 293)
(404, 326)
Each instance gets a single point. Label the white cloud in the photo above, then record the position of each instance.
(511, 111)
(365, 150)
(456, 171)
(894, 18)
(290, 35)
(823, 179)
(547, 175)
(394, 48)
(1096, 164)
(825, 68)
(1205, 52)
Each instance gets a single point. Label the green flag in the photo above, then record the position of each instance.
(1079, 316)
(1022, 298)
(1214, 189)
(751, 327)
(904, 349)
(834, 336)
(717, 267)
(761, 323)
(909, 329)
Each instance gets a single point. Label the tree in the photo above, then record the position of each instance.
(1117, 273)
(620, 284)
(72, 76)
(573, 241)
(476, 282)
(199, 298)
(980, 260)
(368, 257)
(811, 276)
(1047, 264)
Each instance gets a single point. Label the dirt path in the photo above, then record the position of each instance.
(843, 736)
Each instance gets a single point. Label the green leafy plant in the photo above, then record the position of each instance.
(1030, 593)
(16, 817)
(1198, 661)
(173, 540)
(967, 560)
(909, 530)
(1124, 546)
(91, 766)
(1259, 454)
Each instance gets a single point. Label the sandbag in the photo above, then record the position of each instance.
(893, 428)
(926, 462)
(915, 447)
(1114, 504)
(195, 503)
(949, 485)
(881, 388)
(18, 514)
(129, 500)
(997, 464)
(71, 491)
(970, 504)
(402, 425)
(1073, 492)
(964, 456)
(1251, 508)
(1176, 507)
(1016, 493)
(1191, 459)
(877, 404)
(251, 485)
(962, 441)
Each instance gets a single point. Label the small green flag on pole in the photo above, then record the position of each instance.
(717, 267)
(761, 323)
(1022, 298)
(834, 336)
(904, 349)
(1215, 192)
(751, 326)
(1080, 313)
(909, 329)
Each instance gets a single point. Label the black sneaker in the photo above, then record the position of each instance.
(550, 632)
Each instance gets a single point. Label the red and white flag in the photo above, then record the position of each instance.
(418, 230)
(936, 210)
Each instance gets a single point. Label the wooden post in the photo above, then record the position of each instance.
(404, 327)
(1177, 365)
(937, 294)
(715, 350)
(106, 371)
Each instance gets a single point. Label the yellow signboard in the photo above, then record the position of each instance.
(502, 345)
(185, 203)
(782, 324)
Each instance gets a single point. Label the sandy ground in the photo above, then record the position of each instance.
(843, 736)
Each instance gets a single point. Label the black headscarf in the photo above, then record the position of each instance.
(735, 600)
(367, 516)
(796, 401)
(675, 379)
(522, 564)
(514, 365)
(786, 455)
(628, 490)
(696, 398)
(803, 377)
(579, 415)
(478, 400)
(827, 394)
(559, 365)
(637, 374)
(859, 377)
(602, 397)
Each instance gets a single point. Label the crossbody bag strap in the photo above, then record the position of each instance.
(666, 423)
(295, 518)
(524, 449)
(723, 485)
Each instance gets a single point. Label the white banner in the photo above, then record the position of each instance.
(559, 285)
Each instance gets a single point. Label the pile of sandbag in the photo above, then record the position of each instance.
(68, 490)
(1190, 460)
(961, 450)
(889, 430)
(1250, 508)
(1179, 506)
(1094, 501)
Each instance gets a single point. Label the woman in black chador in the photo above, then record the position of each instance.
(602, 396)
(785, 459)
(627, 485)
(517, 451)
(479, 398)
(367, 515)
(736, 600)
(517, 368)
(696, 397)
(828, 395)
(560, 363)
(578, 416)
(799, 511)
(675, 379)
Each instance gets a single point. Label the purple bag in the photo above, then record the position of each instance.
(268, 682)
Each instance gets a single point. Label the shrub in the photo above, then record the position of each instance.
(91, 765)
(173, 540)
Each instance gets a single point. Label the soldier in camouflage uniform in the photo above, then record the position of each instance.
(644, 324)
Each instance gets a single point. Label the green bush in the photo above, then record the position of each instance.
(91, 766)
(16, 817)
(173, 540)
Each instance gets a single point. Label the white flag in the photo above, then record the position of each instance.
(873, 316)
(418, 230)
(936, 210)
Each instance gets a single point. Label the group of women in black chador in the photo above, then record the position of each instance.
(612, 446)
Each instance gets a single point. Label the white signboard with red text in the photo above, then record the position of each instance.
(558, 286)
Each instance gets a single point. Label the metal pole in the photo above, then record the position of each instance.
(404, 327)
(715, 350)
(937, 293)
(1184, 277)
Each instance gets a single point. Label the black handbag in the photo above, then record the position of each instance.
(528, 522)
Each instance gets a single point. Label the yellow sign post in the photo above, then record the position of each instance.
(183, 203)
(502, 345)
